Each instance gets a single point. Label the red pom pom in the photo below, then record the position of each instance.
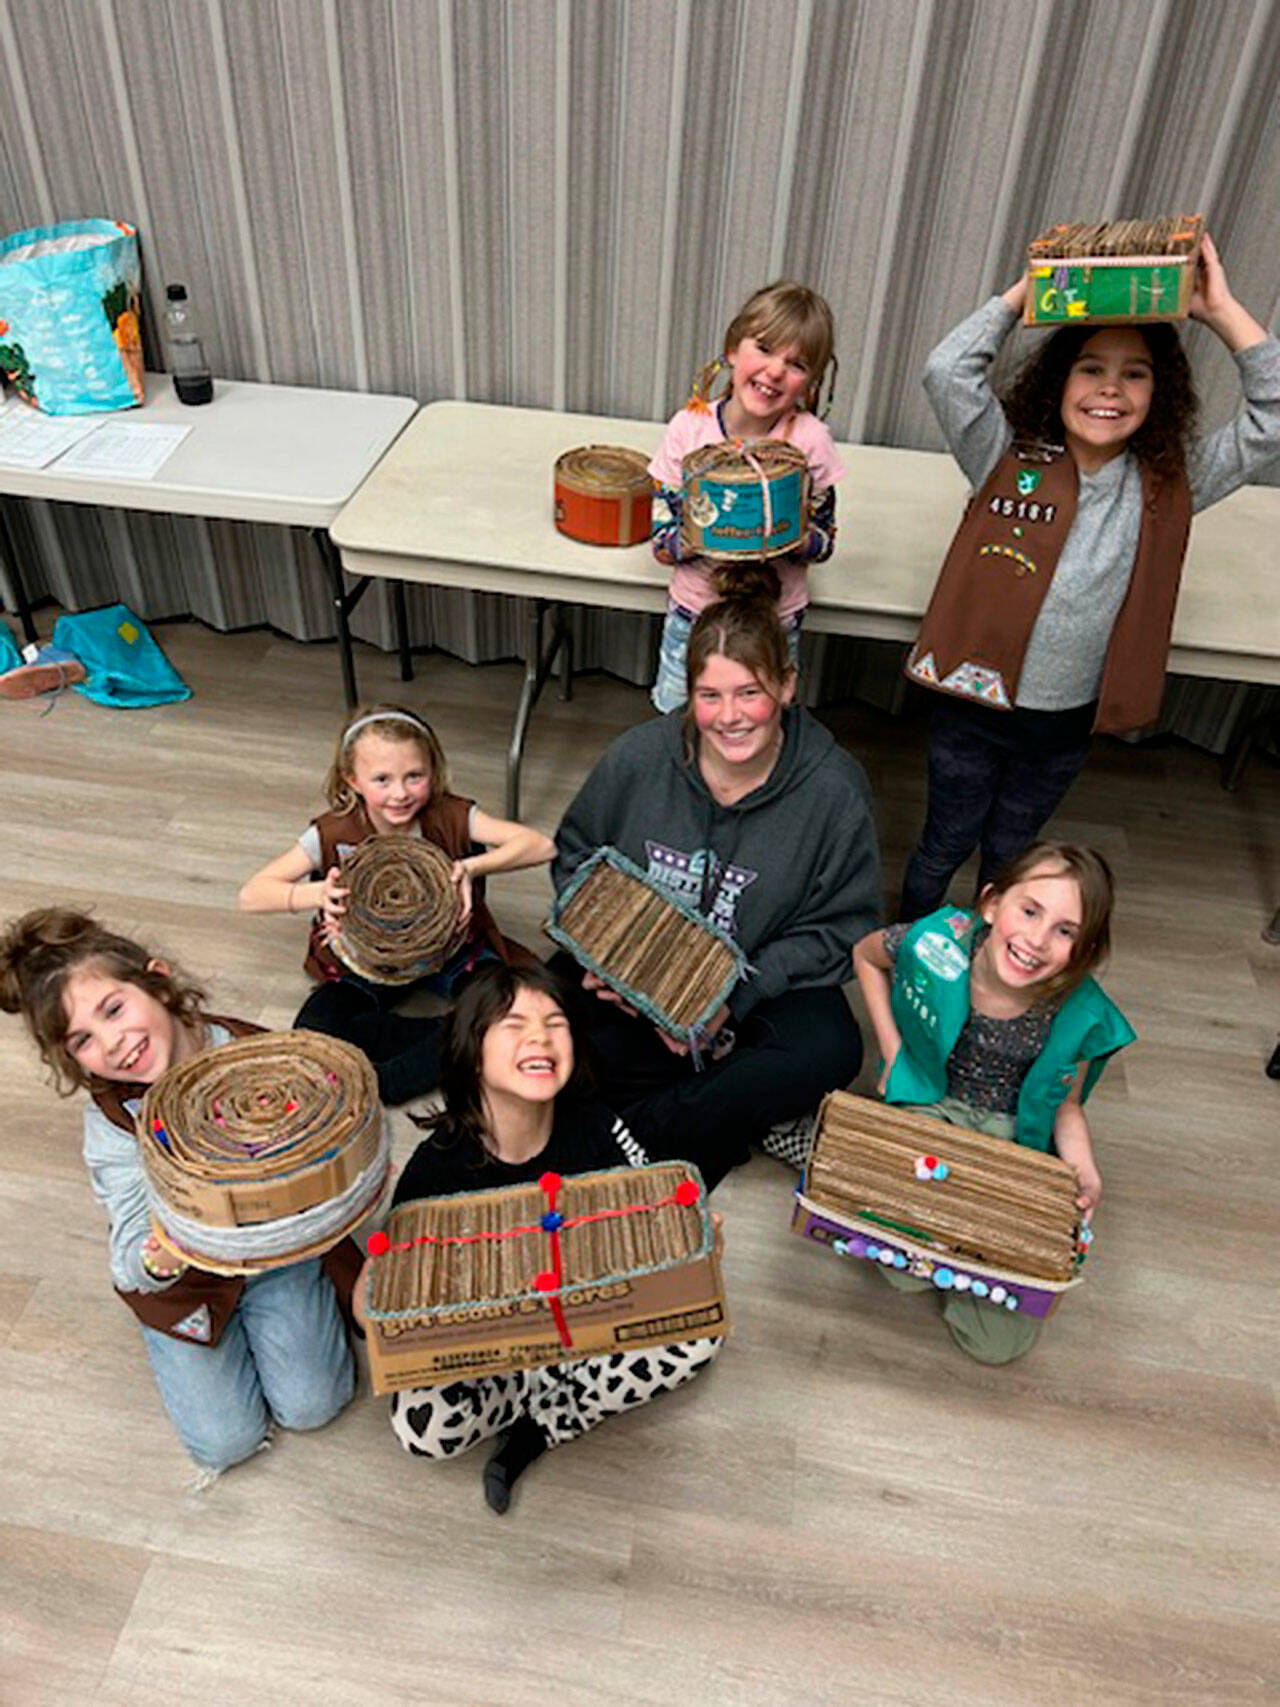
(546, 1281)
(379, 1244)
(687, 1193)
(550, 1182)
(930, 1161)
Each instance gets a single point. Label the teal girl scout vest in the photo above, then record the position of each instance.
(930, 1002)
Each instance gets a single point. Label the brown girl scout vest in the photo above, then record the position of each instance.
(446, 821)
(198, 1305)
(974, 635)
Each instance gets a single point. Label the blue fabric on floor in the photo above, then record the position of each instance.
(123, 664)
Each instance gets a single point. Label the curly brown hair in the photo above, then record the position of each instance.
(1033, 401)
(40, 952)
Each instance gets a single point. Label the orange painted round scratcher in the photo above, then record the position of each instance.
(604, 495)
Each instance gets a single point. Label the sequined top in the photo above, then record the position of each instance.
(992, 1056)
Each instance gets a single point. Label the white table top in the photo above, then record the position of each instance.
(288, 454)
(464, 499)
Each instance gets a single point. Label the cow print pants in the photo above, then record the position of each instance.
(564, 1399)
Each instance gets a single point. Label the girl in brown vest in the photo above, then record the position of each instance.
(389, 777)
(230, 1356)
(1052, 613)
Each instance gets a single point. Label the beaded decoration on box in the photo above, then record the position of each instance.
(1122, 270)
(671, 963)
(264, 1151)
(745, 498)
(404, 913)
(604, 495)
(971, 1213)
(489, 1281)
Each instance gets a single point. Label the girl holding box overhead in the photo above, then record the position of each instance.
(1052, 614)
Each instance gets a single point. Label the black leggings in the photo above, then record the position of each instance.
(404, 1048)
(789, 1052)
(995, 779)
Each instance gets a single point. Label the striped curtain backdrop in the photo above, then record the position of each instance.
(560, 203)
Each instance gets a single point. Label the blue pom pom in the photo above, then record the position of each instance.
(552, 1221)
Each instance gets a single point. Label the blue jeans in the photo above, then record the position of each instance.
(284, 1354)
(671, 688)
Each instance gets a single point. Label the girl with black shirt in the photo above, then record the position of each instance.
(513, 1111)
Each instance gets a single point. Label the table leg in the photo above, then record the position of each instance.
(16, 592)
(566, 655)
(344, 603)
(1255, 726)
(537, 667)
(402, 630)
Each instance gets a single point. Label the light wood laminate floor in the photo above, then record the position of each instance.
(844, 1508)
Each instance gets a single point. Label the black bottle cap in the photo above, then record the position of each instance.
(176, 292)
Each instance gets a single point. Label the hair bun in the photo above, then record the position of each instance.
(747, 582)
(23, 942)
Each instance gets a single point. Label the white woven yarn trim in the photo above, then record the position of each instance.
(291, 1232)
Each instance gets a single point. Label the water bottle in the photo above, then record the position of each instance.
(192, 380)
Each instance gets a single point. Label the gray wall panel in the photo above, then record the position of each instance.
(427, 368)
(369, 87)
(529, 241)
(597, 117)
(637, 224)
(481, 74)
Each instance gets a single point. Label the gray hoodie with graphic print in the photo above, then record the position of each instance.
(792, 870)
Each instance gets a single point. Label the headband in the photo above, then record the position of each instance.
(383, 717)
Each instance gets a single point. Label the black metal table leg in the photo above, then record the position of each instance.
(344, 603)
(402, 630)
(13, 569)
(537, 667)
(566, 654)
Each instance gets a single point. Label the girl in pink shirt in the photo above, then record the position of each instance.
(778, 349)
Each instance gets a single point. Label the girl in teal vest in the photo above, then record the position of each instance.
(990, 1019)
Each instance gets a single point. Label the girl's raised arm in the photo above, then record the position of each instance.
(957, 382)
(1218, 463)
(1213, 303)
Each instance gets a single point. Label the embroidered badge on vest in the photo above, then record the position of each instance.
(977, 681)
(944, 958)
(972, 681)
(197, 1326)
